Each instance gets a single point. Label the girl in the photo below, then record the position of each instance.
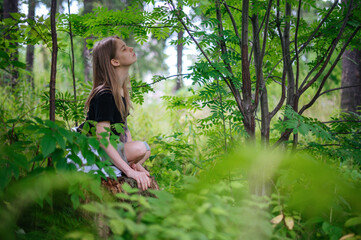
(109, 103)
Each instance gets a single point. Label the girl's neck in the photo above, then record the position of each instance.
(122, 74)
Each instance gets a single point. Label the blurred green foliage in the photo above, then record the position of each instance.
(213, 184)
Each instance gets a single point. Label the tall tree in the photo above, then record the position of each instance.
(351, 81)
(30, 47)
(278, 42)
(11, 6)
(179, 81)
(54, 55)
(88, 6)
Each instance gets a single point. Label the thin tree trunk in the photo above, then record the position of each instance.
(72, 57)
(288, 64)
(53, 60)
(88, 6)
(351, 76)
(265, 116)
(179, 61)
(30, 48)
(248, 118)
(11, 6)
(54, 55)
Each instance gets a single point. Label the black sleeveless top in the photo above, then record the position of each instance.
(103, 108)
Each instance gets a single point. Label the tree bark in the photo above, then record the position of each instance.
(248, 118)
(30, 48)
(53, 60)
(351, 76)
(265, 116)
(54, 55)
(287, 61)
(72, 57)
(88, 6)
(179, 82)
(11, 6)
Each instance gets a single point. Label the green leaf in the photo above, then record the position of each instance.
(60, 141)
(4, 55)
(18, 64)
(75, 200)
(94, 142)
(303, 129)
(119, 127)
(5, 177)
(90, 208)
(117, 226)
(353, 222)
(48, 144)
(127, 188)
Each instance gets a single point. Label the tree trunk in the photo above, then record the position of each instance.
(179, 61)
(30, 48)
(54, 55)
(287, 55)
(265, 116)
(88, 6)
(11, 6)
(53, 60)
(351, 76)
(248, 118)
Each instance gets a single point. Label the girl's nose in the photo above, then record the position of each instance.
(131, 49)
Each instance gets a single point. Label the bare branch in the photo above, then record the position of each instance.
(221, 36)
(72, 56)
(335, 89)
(235, 92)
(317, 95)
(266, 28)
(239, 10)
(283, 96)
(296, 39)
(334, 45)
(339, 121)
(265, 19)
(304, 45)
(233, 24)
(314, 68)
(161, 79)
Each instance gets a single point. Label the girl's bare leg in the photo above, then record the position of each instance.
(136, 152)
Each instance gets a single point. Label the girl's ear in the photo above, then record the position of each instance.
(115, 62)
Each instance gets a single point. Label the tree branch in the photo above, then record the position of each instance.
(72, 56)
(229, 84)
(334, 45)
(317, 95)
(335, 89)
(296, 39)
(283, 96)
(304, 45)
(339, 121)
(233, 24)
(161, 79)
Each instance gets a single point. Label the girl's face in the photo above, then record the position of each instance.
(124, 56)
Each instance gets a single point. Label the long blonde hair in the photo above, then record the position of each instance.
(105, 78)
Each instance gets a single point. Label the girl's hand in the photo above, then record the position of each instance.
(142, 179)
(140, 168)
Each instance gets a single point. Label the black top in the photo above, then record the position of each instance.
(103, 108)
